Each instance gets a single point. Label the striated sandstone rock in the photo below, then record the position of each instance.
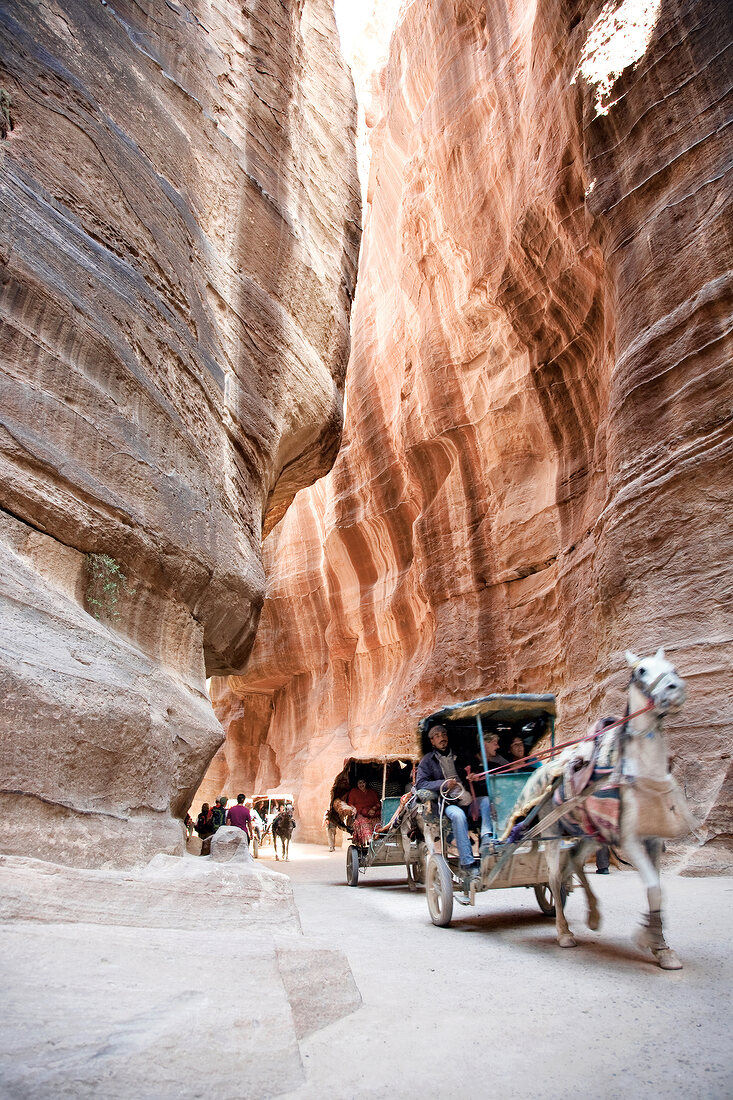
(183, 978)
(170, 892)
(179, 222)
(127, 1012)
(535, 470)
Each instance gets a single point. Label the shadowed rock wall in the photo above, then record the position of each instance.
(179, 229)
(535, 471)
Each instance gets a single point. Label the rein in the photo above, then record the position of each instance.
(549, 753)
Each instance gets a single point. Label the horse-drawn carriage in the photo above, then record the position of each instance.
(409, 829)
(389, 779)
(269, 807)
(611, 786)
(529, 718)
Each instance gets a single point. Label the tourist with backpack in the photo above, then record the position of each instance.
(219, 812)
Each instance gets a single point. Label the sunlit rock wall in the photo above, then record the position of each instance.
(179, 222)
(536, 467)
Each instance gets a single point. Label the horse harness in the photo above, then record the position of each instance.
(284, 815)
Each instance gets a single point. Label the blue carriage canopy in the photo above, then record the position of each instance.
(502, 708)
(530, 716)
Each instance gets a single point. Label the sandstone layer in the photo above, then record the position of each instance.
(179, 224)
(183, 978)
(536, 464)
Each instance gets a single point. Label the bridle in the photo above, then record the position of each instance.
(649, 690)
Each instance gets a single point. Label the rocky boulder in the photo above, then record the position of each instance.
(180, 223)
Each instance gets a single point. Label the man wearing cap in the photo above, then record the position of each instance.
(439, 767)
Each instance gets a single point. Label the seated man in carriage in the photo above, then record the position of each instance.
(438, 769)
(257, 823)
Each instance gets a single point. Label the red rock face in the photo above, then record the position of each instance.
(180, 223)
(535, 472)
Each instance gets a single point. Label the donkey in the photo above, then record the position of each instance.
(282, 829)
(650, 804)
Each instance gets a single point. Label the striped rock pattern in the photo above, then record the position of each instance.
(535, 471)
(180, 225)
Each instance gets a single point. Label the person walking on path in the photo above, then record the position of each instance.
(205, 828)
(240, 816)
(220, 812)
(332, 822)
(205, 822)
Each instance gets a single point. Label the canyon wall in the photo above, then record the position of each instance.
(536, 466)
(180, 221)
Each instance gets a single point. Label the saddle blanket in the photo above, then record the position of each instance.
(598, 815)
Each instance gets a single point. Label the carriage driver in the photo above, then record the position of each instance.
(439, 766)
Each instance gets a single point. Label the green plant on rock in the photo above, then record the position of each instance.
(6, 118)
(105, 582)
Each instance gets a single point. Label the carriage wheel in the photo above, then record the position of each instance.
(546, 901)
(352, 866)
(439, 884)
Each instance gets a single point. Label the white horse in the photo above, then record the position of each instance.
(651, 804)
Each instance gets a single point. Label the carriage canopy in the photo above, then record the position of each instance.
(529, 717)
(501, 708)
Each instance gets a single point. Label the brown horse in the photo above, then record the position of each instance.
(282, 828)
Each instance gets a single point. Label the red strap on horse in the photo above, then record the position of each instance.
(516, 765)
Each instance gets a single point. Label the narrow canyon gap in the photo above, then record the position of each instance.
(535, 469)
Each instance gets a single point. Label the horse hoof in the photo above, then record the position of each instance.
(567, 941)
(667, 959)
(594, 921)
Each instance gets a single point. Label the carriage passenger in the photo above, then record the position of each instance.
(368, 808)
(491, 745)
(258, 824)
(518, 757)
(439, 768)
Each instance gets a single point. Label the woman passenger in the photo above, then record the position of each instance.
(518, 756)
(368, 810)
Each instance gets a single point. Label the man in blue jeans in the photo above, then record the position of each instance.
(438, 767)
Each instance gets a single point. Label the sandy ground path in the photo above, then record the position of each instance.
(492, 1007)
